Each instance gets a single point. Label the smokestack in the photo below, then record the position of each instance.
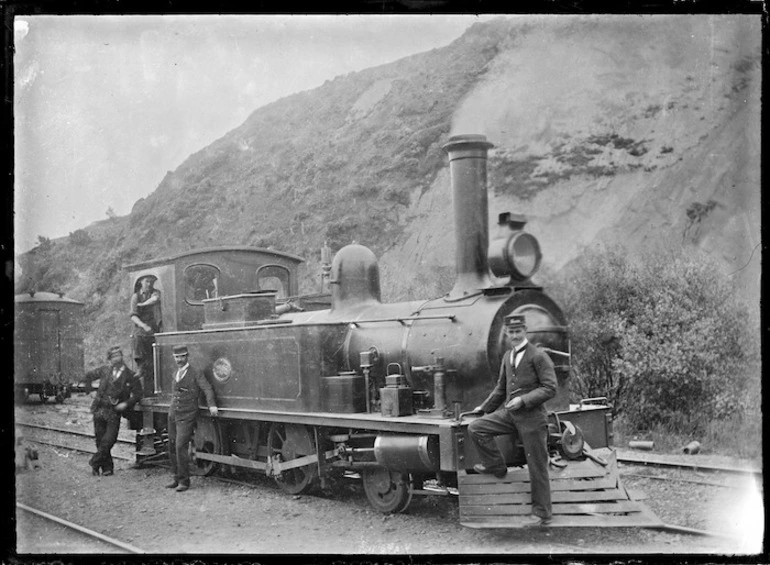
(468, 172)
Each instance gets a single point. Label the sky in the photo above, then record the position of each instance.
(105, 106)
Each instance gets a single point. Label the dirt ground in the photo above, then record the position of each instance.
(224, 518)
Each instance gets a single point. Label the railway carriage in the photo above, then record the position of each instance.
(324, 385)
(48, 345)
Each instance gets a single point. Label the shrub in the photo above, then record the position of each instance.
(79, 237)
(665, 339)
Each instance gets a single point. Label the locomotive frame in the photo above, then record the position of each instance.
(317, 386)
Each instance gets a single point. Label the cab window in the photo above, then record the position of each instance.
(273, 277)
(201, 282)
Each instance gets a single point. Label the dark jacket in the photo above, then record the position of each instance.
(534, 380)
(150, 315)
(185, 393)
(111, 392)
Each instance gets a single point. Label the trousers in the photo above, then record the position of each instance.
(535, 440)
(180, 431)
(106, 428)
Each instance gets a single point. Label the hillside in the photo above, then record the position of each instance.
(635, 130)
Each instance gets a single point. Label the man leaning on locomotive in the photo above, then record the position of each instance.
(119, 389)
(527, 379)
(186, 387)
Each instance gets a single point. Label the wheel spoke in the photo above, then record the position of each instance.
(290, 441)
(206, 439)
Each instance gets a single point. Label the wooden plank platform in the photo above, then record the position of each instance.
(584, 494)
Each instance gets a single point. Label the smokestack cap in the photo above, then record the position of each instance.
(467, 141)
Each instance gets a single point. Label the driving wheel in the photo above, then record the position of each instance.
(388, 491)
(206, 439)
(291, 441)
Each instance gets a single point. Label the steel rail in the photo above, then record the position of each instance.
(681, 465)
(680, 480)
(91, 533)
(65, 431)
(73, 448)
(693, 531)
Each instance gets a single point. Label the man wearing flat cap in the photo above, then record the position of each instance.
(187, 384)
(146, 317)
(119, 389)
(526, 380)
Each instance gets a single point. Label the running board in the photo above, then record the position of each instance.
(583, 494)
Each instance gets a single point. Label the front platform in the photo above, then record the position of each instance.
(584, 494)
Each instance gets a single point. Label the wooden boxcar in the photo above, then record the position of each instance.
(48, 345)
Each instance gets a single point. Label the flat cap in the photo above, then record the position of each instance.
(180, 350)
(515, 321)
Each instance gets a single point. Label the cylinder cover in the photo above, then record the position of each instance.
(407, 453)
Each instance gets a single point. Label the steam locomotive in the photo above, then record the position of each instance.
(340, 383)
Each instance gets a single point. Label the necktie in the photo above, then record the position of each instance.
(515, 355)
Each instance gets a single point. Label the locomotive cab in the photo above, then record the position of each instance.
(188, 280)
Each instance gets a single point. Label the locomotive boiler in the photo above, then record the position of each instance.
(309, 387)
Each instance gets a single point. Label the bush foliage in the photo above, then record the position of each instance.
(665, 339)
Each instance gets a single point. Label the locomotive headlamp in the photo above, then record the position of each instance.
(517, 255)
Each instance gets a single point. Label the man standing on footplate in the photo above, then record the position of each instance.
(527, 379)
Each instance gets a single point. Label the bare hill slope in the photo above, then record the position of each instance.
(642, 131)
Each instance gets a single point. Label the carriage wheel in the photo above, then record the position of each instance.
(291, 441)
(387, 491)
(23, 395)
(206, 439)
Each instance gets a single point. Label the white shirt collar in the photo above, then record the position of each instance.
(521, 346)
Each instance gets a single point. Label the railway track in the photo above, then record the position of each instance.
(227, 480)
(95, 538)
(75, 433)
(628, 459)
(66, 431)
(653, 461)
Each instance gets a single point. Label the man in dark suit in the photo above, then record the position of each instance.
(119, 389)
(527, 379)
(187, 384)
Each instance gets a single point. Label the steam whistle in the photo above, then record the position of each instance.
(326, 267)
(439, 387)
